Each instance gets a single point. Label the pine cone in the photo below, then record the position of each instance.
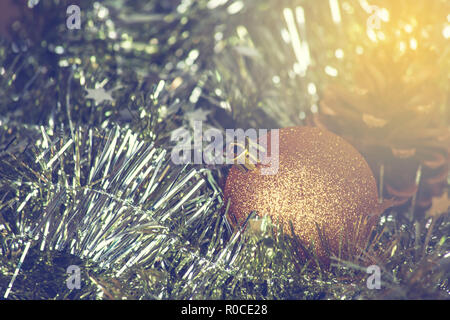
(393, 113)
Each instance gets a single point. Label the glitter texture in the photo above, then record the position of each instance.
(323, 185)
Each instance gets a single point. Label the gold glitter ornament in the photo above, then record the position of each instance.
(323, 186)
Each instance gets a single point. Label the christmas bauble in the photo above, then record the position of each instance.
(323, 186)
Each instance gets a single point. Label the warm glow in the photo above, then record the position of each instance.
(413, 44)
(301, 48)
(335, 11)
(446, 32)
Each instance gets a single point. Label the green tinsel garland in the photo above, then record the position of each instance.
(89, 183)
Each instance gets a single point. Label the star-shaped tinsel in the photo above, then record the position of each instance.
(197, 115)
(99, 95)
